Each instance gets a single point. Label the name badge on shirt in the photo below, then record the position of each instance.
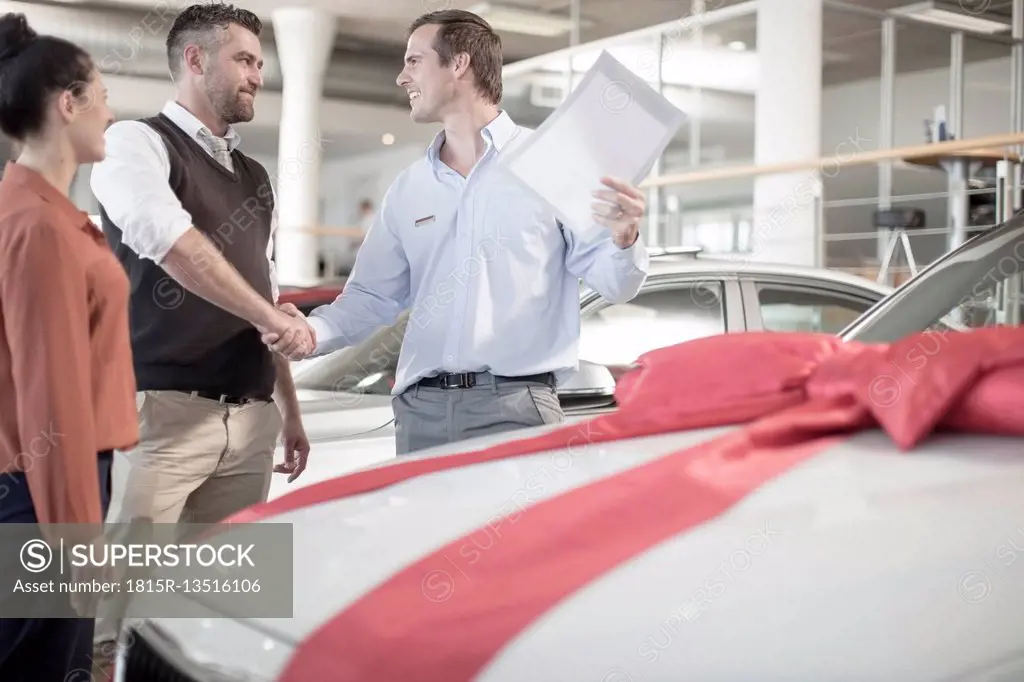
(424, 221)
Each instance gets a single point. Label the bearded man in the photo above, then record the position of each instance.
(192, 220)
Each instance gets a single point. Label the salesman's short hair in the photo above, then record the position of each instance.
(205, 24)
(461, 31)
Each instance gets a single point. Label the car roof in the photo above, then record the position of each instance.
(684, 260)
(698, 263)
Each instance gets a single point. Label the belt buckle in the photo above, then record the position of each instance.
(465, 380)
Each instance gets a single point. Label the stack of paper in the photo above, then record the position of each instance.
(612, 124)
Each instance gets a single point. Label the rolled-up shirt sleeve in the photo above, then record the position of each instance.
(131, 184)
(275, 288)
(46, 320)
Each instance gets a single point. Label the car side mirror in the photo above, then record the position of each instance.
(591, 380)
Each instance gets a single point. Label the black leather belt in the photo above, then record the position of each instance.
(227, 399)
(469, 379)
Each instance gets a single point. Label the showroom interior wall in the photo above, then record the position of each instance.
(345, 182)
(851, 111)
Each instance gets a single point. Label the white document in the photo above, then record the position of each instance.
(612, 124)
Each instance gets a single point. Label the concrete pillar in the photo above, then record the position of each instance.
(305, 39)
(80, 192)
(788, 128)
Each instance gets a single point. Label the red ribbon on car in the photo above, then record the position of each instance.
(797, 393)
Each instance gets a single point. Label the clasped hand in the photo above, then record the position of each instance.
(289, 335)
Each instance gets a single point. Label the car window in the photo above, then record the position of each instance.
(795, 308)
(977, 285)
(617, 334)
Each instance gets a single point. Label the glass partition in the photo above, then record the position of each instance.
(885, 76)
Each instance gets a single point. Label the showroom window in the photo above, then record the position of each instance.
(618, 334)
(792, 308)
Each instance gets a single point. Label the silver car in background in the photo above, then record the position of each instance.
(346, 396)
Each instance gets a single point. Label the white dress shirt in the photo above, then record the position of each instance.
(491, 278)
(133, 185)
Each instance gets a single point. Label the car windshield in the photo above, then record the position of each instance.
(976, 285)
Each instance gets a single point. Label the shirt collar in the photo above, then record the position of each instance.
(500, 131)
(497, 133)
(30, 180)
(187, 121)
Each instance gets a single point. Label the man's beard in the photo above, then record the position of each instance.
(234, 107)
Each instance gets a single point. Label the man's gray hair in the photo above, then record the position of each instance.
(205, 24)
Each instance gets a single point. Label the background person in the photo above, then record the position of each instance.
(338, 251)
(67, 391)
(491, 278)
(172, 190)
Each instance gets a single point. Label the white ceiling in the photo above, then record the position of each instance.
(379, 27)
(371, 36)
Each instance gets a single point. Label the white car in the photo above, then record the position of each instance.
(345, 396)
(740, 516)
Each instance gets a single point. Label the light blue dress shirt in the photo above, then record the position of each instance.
(489, 276)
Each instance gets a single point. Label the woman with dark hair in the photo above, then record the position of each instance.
(67, 389)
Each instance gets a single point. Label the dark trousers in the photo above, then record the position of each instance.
(45, 649)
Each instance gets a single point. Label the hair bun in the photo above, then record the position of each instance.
(15, 35)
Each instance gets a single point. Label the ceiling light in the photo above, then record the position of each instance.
(952, 15)
(387, 138)
(687, 66)
(737, 45)
(517, 20)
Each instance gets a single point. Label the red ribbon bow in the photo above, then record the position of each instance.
(796, 392)
(963, 381)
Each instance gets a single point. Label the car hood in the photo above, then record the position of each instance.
(312, 400)
(333, 416)
(807, 539)
(845, 556)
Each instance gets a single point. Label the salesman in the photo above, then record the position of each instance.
(490, 276)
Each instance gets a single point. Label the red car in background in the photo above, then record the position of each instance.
(308, 299)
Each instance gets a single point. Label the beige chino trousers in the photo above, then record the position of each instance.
(197, 461)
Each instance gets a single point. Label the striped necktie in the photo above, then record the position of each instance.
(219, 147)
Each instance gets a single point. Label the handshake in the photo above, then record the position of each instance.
(288, 333)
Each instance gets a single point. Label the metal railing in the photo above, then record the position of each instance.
(737, 228)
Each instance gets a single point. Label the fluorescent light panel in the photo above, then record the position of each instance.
(516, 20)
(950, 15)
(687, 65)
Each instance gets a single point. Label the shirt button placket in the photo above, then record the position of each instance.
(453, 333)
(467, 270)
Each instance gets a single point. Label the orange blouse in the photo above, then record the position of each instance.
(67, 387)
